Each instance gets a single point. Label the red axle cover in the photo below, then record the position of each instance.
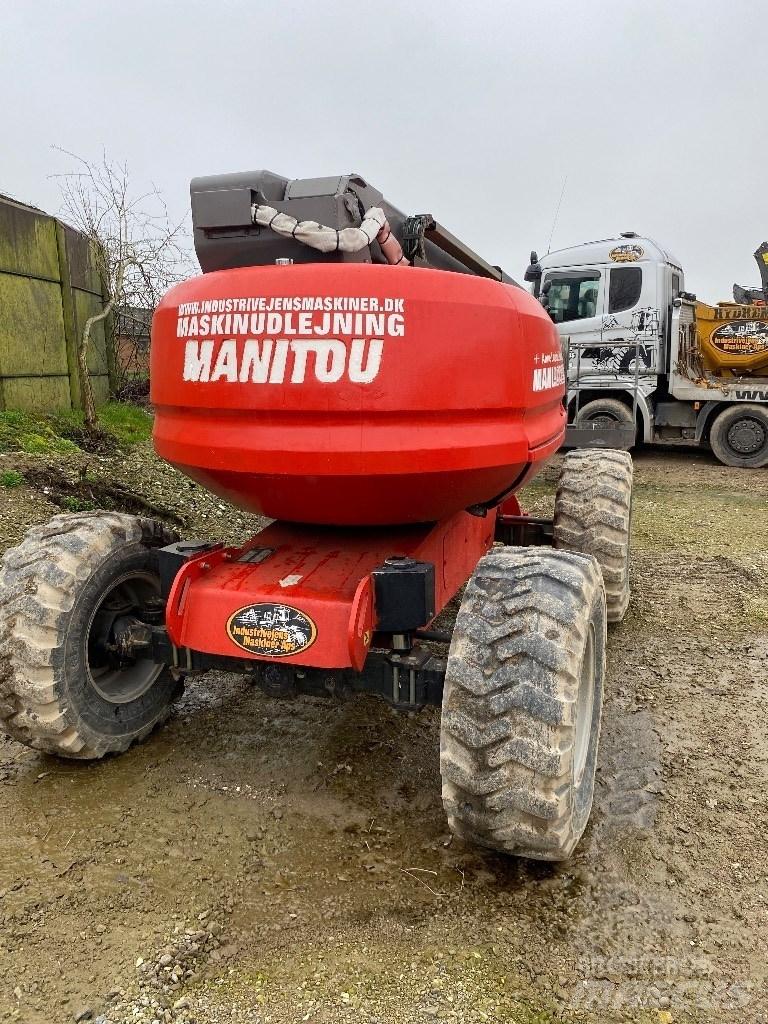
(355, 394)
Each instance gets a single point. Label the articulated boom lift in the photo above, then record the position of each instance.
(380, 392)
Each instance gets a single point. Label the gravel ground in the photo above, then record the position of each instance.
(279, 861)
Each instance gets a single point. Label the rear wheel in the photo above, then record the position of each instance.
(68, 593)
(593, 515)
(739, 436)
(522, 702)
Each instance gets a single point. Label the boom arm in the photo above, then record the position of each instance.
(255, 217)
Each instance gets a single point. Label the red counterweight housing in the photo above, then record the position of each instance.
(355, 394)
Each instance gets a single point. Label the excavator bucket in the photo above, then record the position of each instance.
(751, 296)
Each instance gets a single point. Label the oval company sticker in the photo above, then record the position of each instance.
(271, 630)
(626, 253)
(742, 338)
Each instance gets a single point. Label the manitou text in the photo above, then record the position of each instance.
(283, 360)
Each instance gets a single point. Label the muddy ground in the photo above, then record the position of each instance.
(266, 861)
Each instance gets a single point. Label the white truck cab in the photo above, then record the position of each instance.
(622, 314)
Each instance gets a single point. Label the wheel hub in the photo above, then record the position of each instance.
(746, 436)
(603, 420)
(119, 678)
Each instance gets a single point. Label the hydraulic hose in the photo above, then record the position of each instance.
(318, 236)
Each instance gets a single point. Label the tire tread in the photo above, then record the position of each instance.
(593, 515)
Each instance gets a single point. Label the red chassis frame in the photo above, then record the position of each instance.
(326, 575)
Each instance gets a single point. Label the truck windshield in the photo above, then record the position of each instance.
(572, 296)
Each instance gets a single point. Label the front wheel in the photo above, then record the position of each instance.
(522, 702)
(66, 592)
(605, 413)
(593, 515)
(739, 436)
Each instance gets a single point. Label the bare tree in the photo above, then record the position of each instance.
(138, 250)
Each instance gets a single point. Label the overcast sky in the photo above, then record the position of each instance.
(475, 112)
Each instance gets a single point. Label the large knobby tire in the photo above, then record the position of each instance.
(522, 702)
(739, 436)
(593, 515)
(605, 412)
(64, 585)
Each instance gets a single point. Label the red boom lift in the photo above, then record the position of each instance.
(379, 392)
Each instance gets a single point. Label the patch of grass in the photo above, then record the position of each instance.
(45, 444)
(128, 423)
(61, 433)
(678, 513)
(32, 433)
(11, 478)
(73, 504)
(14, 425)
(704, 522)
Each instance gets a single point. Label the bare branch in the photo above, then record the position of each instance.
(139, 252)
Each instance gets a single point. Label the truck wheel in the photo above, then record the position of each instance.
(739, 436)
(522, 702)
(62, 690)
(605, 412)
(593, 515)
